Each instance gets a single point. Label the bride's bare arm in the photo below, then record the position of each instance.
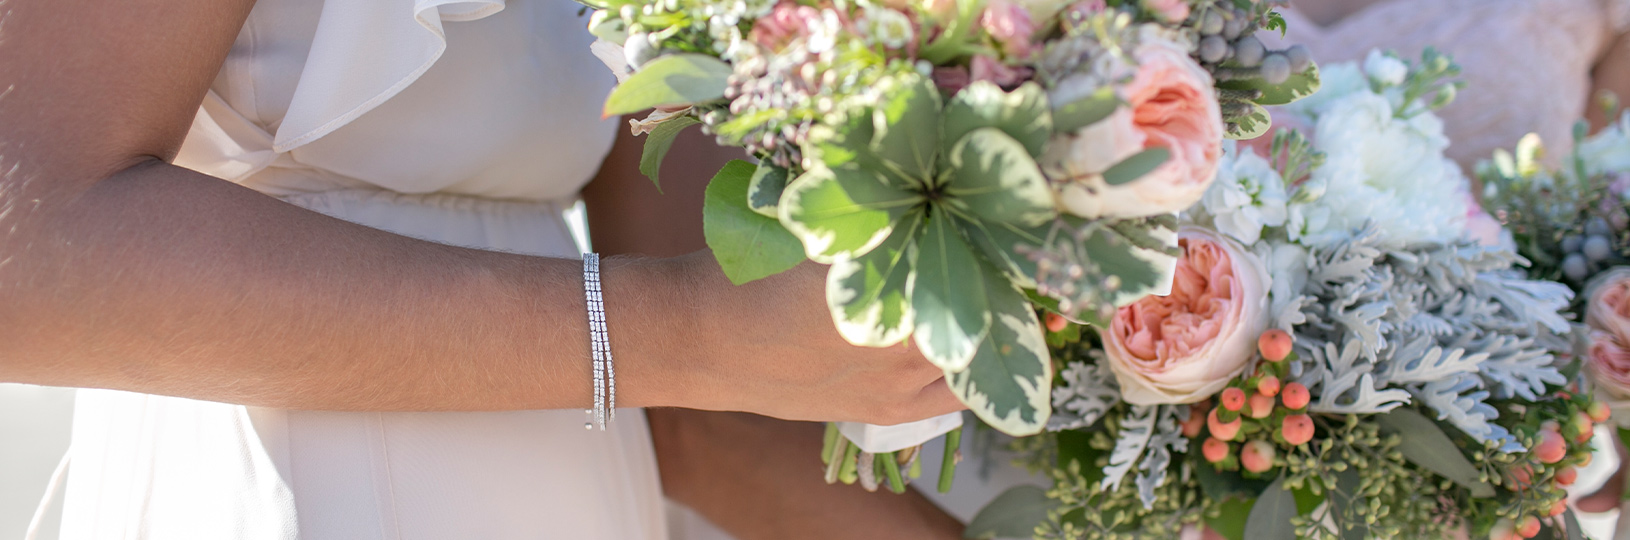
(1612, 74)
(119, 270)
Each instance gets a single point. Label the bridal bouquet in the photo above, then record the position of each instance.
(960, 164)
(1336, 358)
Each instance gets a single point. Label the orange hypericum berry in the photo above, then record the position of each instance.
(1268, 386)
(1566, 475)
(1195, 422)
(1504, 529)
(1221, 430)
(1214, 449)
(1551, 447)
(1297, 429)
(1583, 428)
(1056, 322)
(1261, 406)
(1274, 345)
(1295, 395)
(1559, 507)
(1257, 456)
(1232, 399)
(1521, 476)
(1528, 527)
(1599, 412)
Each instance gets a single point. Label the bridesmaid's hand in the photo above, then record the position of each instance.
(770, 347)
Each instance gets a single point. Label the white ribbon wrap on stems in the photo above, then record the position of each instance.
(879, 439)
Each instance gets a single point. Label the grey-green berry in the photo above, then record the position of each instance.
(1212, 23)
(1248, 51)
(1597, 248)
(1234, 26)
(1571, 243)
(1213, 49)
(1300, 58)
(1275, 68)
(1597, 225)
(1575, 267)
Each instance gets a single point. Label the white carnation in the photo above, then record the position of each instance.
(1247, 195)
(1609, 150)
(1385, 169)
(1385, 68)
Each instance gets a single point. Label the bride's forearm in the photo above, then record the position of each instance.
(165, 281)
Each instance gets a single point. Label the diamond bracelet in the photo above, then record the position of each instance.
(605, 375)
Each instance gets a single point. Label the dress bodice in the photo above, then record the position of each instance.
(1527, 63)
(411, 96)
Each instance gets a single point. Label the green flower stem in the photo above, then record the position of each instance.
(848, 474)
(891, 469)
(830, 443)
(834, 466)
(916, 464)
(953, 443)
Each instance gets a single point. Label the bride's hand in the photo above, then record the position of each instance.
(770, 347)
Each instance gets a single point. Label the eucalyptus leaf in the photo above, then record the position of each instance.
(1022, 114)
(1008, 382)
(906, 128)
(867, 294)
(1072, 116)
(765, 189)
(1298, 86)
(1013, 514)
(1230, 522)
(1270, 516)
(1250, 126)
(1136, 165)
(675, 79)
(1425, 445)
(992, 177)
(845, 211)
(948, 297)
(657, 144)
(747, 245)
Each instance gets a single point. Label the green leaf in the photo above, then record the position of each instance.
(1251, 125)
(1298, 86)
(1007, 383)
(675, 79)
(1136, 165)
(1224, 484)
(1425, 445)
(747, 245)
(1306, 500)
(1571, 522)
(906, 128)
(1073, 116)
(765, 189)
(867, 294)
(843, 211)
(1022, 114)
(948, 296)
(1270, 516)
(658, 143)
(1076, 445)
(1013, 514)
(999, 243)
(1230, 523)
(993, 178)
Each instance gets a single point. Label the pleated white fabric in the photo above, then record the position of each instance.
(470, 123)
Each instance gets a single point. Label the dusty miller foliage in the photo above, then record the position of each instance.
(1148, 435)
(1450, 325)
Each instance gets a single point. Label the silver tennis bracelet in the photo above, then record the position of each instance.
(605, 374)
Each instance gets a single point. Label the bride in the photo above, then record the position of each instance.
(314, 256)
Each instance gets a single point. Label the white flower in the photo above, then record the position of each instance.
(611, 54)
(1609, 150)
(1387, 169)
(1385, 68)
(1247, 195)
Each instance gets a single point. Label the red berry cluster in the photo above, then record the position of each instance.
(1561, 448)
(1260, 412)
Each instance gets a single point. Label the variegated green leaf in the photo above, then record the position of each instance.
(906, 128)
(867, 294)
(1022, 114)
(842, 212)
(948, 296)
(991, 177)
(1007, 383)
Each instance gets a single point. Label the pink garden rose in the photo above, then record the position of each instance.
(985, 68)
(1010, 25)
(1607, 313)
(787, 22)
(1170, 10)
(1185, 346)
(1173, 106)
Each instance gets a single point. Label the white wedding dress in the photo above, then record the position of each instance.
(471, 123)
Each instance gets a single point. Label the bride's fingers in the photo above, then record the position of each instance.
(936, 399)
(1608, 496)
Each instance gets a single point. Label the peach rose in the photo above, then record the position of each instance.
(1607, 313)
(1185, 346)
(1173, 106)
(1170, 10)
